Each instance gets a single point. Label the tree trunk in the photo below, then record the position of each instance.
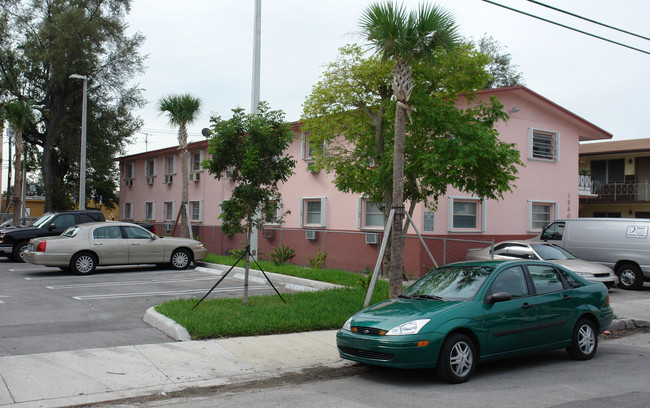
(18, 177)
(182, 146)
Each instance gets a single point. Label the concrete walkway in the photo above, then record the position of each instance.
(90, 376)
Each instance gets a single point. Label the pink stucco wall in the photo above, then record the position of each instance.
(540, 181)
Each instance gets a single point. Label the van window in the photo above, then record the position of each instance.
(555, 231)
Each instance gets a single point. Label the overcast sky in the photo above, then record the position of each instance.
(204, 47)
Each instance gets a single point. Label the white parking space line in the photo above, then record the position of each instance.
(128, 283)
(3, 297)
(163, 293)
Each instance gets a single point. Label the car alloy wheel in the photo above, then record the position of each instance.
(181, 259)
(584, 342)
(630, 276)
(457, 359)
(83, 263)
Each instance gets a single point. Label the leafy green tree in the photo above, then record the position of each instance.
(502, 71)
(405, 38)
(182, 110)
(252, 148)
(19, 115)
(43, 43)
(351, 110)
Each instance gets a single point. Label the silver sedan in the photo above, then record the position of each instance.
(84, 247)
(548, 252)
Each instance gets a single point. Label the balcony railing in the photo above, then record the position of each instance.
(617, 191)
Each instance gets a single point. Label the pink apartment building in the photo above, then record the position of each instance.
(348, 227)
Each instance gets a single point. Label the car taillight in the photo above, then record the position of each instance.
(41, 246)
(153, 229)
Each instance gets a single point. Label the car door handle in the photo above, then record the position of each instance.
(98, 243)
(566, 297)
(526, 305)
(136, 243)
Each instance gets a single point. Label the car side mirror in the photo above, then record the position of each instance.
(499, 297)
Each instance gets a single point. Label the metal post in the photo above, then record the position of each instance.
(82, 160)
(255, 97)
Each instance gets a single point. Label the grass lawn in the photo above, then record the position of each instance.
(304, 311)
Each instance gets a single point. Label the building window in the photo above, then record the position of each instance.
(370, 214)
(128, 171)
(308, 149)
(275, 215)
(196, 211)
(428, 221)
(128, 211)
(150, 167)
(168, 209)
(170, 167)
(313, 211)
(195, 163)
(539, 214)
(150, 211)
(543, 145)
(605, 172)
(466, 214)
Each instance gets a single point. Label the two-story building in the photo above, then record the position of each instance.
(347, 227)
(615, 177)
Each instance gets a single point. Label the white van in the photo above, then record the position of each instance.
(620, 243)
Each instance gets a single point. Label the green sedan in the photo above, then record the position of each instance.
(461, 314)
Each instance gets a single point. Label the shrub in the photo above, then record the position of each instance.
(282, 255)
(319, 261)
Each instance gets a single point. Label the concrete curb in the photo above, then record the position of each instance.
(623, 324)
(166, 325)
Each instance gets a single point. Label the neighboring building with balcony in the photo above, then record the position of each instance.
(615, 179)
(349, 227)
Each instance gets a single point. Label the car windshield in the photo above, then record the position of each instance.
(71, 232)
(551, 252)
(43, 220)
(459, 282)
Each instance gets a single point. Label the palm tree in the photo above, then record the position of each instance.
(19, 115)
(182, 111)
(405, 37)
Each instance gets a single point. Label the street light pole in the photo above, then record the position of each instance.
(82, 162)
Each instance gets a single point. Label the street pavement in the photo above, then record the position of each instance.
(81, 377)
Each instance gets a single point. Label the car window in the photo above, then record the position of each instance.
(457, 282)
(137, 233)
(554, 231)
(512, 281)
(521, 251)
(71, 232)
(112, 232)
(552, 252)
(545, 278)
(64, 221)
(89, 217)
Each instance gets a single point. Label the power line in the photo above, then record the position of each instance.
(587, 19)
(567, 27)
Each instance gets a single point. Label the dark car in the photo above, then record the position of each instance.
(13, 241)
(461, 314)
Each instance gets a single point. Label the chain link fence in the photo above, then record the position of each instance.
(349, 250)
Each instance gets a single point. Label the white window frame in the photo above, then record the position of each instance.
(129, 171)
(164, 210)
(305, 147)
(481, 222)
(555, 213)
(153, 211)
(323, 212)
(146, 167)
(278, 214)
(532, 133)
(173, 170)
(362, 215)
(127, 213)
(191, 207)
(191, 161)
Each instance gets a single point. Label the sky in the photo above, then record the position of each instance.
(205, 48)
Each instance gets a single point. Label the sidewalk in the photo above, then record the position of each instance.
(89, 376)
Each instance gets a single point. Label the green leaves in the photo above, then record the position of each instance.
(252, 149)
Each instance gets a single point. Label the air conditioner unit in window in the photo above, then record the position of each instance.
(169, 179)
(310, 234)
(268, 233)
(195, 176)
(229, 174)
(311, 167)
(128, 182)
(372, 238)
(167, 226)
(149, 180)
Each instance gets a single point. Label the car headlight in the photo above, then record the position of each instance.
(412, 327)
(347, 325)
(586, 275)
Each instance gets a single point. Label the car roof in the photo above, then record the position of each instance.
(106, 223)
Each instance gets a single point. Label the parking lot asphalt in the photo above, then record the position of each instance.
(88, 376)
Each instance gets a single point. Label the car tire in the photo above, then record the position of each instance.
(584, 341)
(457, 359)
(629, 276)
(19, 251)
(83, 263)
(181, 259)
